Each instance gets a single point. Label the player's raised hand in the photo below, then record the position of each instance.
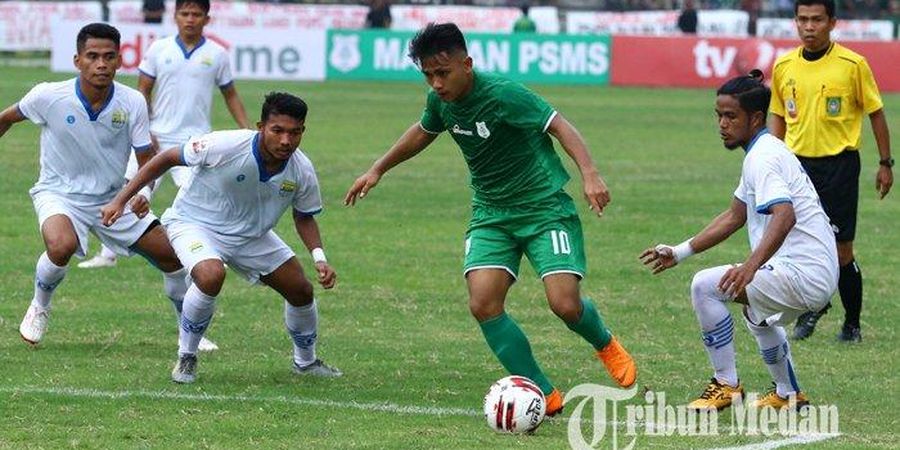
(325, 275)
(736, 279)
(140, 206)
(659, 258)
(361, 187)
(596, 194)
(111, 212)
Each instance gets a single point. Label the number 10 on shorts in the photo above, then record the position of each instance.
(560, 241)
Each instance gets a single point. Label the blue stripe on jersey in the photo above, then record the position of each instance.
(187, 54)
(302, 214)
(146, 74)
(764, 209)
(264, 174)
(142, 148)
(226, 85)
(753, 141)
(92, 115)
(183, 161)
(21, 113)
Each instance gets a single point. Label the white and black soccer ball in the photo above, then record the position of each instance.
(514, 405)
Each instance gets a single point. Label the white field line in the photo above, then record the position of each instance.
(372, 407)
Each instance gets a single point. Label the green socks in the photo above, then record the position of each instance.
(590, 326)
(511, 346)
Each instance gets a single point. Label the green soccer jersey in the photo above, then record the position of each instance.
(500, 126)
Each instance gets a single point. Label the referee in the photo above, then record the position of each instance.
(820, 93)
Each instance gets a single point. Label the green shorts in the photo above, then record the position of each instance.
(548, 232)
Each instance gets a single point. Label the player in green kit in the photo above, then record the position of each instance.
(519, 206)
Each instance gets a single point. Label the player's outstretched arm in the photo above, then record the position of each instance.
(737, 278)
(10, 116)
(884, 179)
(413, 141)
(147, 173)
(145, 86)
(595, 190)
(662, 256)
(308, 230)
(235, 106)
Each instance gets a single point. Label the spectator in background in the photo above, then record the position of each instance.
(153, 11)
(687, 21)
(894, 14)
(379, 15)
(752, 7)
(524, 24)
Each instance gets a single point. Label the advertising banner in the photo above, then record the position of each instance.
(699, 62)
(472, 18)
(26, 25)
(656, 23)
(844, 30)
(299, 55)
(382, 55)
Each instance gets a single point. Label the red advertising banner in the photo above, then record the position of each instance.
(699, 62)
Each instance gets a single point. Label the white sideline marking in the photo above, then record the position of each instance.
(376, 407)
(163, 395)
(795, 440)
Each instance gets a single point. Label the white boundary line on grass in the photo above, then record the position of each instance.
(374, 407)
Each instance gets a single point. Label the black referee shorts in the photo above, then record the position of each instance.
(836, 179)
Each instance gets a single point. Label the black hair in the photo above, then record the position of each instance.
(524, 7)
(97, 30)
(283, 103)
(435, 39)
(203, 4)
(750, 91)
(828, 4)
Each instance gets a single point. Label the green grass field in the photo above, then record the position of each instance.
(415, 363)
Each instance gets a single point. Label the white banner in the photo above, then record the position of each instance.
(262, 16)
(472, 18)
(295, 55)
(657, 23)
(26, 25)
(844, 30)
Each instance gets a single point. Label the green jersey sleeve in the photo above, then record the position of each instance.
(431, 118)
(524, 109)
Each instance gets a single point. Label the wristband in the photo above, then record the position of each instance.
(318, 255)
(682, 251)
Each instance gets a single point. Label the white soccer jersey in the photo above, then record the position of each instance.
(231, 192)
(184, 85)
(84, 152)
(771, 174)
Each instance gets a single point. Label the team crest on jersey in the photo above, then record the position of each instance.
(119, 118)
(287, 187)
(833, 106)
(207, 61)
(482, 129)
(195, 247)
(791, 106)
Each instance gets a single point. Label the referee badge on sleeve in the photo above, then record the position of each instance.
(833, 106)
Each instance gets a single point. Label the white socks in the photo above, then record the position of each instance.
(47, 277)
(107, 253)
(776, 353)
(196, 314)
(176, 286)
(301, 323)
(716, 323)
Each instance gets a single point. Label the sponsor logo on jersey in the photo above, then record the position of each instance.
(196, 247)
(482, 129)
(457, 130)
(119, 118)
(199, 145)
(207, 61)
(241, 177)
(287, 187)
(70, 119)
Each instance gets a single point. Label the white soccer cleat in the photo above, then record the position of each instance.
(98, 261)
(207, 345)
(34, 324)
(318, 369)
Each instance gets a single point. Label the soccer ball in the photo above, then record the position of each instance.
(514, 405)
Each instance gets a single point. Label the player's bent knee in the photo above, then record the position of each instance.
(302, 295)
(483, 310)
(567, 309)
(209, 275)
(704, 285)
(61, 249)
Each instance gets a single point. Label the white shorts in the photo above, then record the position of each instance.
(774, 294)
(84, 212)
(252, 258)
(180, 174)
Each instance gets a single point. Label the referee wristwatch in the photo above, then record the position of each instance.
(887, 162)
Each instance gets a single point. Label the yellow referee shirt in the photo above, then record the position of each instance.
(823, 102)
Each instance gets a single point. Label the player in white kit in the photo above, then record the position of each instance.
(792, 267)
(243, 181)
(89, 126)
(184, 70)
